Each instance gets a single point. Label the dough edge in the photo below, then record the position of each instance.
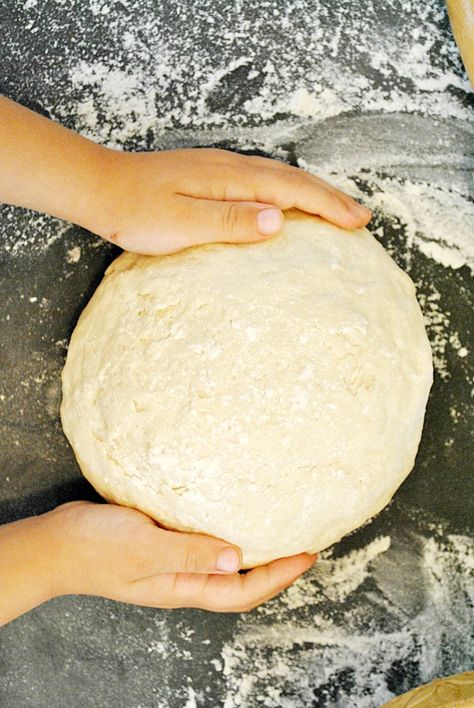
(127, 261)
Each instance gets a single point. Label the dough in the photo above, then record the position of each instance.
(448, 692)
(270, 394)
(461, 15)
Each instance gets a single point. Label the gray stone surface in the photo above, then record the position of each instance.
(58, 57)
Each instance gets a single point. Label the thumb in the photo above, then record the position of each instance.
(231, 222)
(178, 552)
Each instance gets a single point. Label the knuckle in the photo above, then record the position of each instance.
(260, 162)
(289, 185)
(299, 177)
(231, 219)
(192, 560)
(137, 561)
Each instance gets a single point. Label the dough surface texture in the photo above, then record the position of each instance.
(270, 394)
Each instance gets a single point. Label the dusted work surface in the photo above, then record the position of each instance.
(375, 100)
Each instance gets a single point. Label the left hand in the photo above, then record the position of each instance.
(156, 202)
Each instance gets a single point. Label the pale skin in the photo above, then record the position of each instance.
(152, 203)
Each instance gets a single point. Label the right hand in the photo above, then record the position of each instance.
(122, 554)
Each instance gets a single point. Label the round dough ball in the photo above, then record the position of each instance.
(269, 394)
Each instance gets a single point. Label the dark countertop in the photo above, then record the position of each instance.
(373, 98)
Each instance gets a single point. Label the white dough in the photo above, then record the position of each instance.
(270, 394)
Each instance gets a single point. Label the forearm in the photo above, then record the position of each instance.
(46, 167)
(26, 558)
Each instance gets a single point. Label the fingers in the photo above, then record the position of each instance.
(222, 593)
(288, 187)
(161, 551)
(239, 593)
(211, 221)
(254, 179)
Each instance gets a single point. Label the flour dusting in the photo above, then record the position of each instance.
(415, 595)
(258, 76)
(74, 255)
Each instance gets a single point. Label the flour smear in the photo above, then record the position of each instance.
(345, 633)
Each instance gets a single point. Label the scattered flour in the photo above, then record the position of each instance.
(357, 629)
(191, 701)
(74, 255)
(344, 575)
(437, 326)
(231, 65)
(439, 222)
(309, 648)
(29, 233)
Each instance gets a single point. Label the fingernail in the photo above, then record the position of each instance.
(228, 560)
(269, 221)
(359, 211)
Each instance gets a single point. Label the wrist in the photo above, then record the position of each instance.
(27, 552)
(48, 168)
(104, 202)
(70, 568)
(58, 534)
(88, 199)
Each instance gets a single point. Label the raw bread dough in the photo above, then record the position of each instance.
(448, 692)
(270, 394)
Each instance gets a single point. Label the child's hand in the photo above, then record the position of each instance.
(164, 201)
(156, 202)
(120, 553)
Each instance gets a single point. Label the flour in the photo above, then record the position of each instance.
(355, 630)
(33, 233)
(191, 701)
(438, 327)
(74, 255)
(408, 71)
(439, 220)
(291, 653)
